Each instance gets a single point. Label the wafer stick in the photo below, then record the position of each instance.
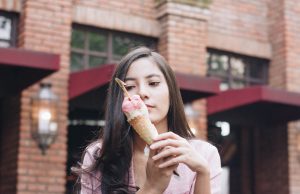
(122, 86)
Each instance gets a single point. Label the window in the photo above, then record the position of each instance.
(236, 71)
(8, 29)
(92, 47)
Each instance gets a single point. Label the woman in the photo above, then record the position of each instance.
(116, 163)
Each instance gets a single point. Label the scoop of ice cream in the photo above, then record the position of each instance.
(134, 107)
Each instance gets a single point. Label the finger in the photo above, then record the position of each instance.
(152, 153)
(168, 152)
(163, 143)
(167, 135)
(169, 170)
(172, 161)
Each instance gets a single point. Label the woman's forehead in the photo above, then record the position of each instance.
(143, 67)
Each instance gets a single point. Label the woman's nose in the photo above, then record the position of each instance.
(143, 92)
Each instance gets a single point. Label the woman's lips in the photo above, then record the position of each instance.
(149, 106)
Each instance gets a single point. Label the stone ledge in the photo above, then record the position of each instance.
(11, 5)
(115, 21)
(197, 3)
(183, 10)
(239, 45)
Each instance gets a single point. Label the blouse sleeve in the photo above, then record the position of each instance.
(89, 181)
(215, 171)
(211, 154)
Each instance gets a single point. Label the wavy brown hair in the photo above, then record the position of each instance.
(115, 155)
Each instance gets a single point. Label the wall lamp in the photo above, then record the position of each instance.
(44, 120)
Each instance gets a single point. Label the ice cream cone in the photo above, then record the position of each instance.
(143, 126)
(137, 115)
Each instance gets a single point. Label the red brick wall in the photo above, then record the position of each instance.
(234, 24)
(270, 160)
(9, 138)
(45, 27)
(240, 19)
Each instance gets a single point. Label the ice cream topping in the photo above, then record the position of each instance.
(134, 107)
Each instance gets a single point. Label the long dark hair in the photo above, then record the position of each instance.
(116, 138)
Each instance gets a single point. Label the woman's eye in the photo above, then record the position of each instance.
(154, 83)
(129, 87)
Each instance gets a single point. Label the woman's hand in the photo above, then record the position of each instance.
(157, 179)
(175, 150)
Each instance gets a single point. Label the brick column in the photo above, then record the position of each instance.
(285, 70)
(277, 76)
(45, 26)
(183, 43)
(292, 23)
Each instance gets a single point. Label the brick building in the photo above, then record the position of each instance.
(73, 44)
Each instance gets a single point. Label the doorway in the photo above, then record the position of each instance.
(236, 149)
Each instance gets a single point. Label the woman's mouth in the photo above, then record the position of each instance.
(149, 106)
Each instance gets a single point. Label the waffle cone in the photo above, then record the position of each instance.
(143, 126)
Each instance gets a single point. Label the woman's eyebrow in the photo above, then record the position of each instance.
(153, 75)
(147, 77)
(129, 79)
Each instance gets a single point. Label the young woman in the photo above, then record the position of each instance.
(116, 163)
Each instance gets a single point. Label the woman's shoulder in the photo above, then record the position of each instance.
(92, 151)
(94, 147)
(202, 145)
(90, 179)
(210, 153)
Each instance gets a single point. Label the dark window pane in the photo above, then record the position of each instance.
(99, 47)
(256, 70)
(237, 67)
(122, 44)
(98, 42)
(116, 58)
(78, 37)
(96, 61)
(218, 64)
(77, 62)
(240, 71)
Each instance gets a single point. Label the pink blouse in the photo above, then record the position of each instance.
(184, 184)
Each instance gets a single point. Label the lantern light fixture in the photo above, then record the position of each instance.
(44, 117)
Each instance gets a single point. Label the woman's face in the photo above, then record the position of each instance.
(145, 79)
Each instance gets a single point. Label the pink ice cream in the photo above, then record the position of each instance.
(137, 115)
(134, 107)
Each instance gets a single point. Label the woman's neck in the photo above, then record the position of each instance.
(162, 127)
